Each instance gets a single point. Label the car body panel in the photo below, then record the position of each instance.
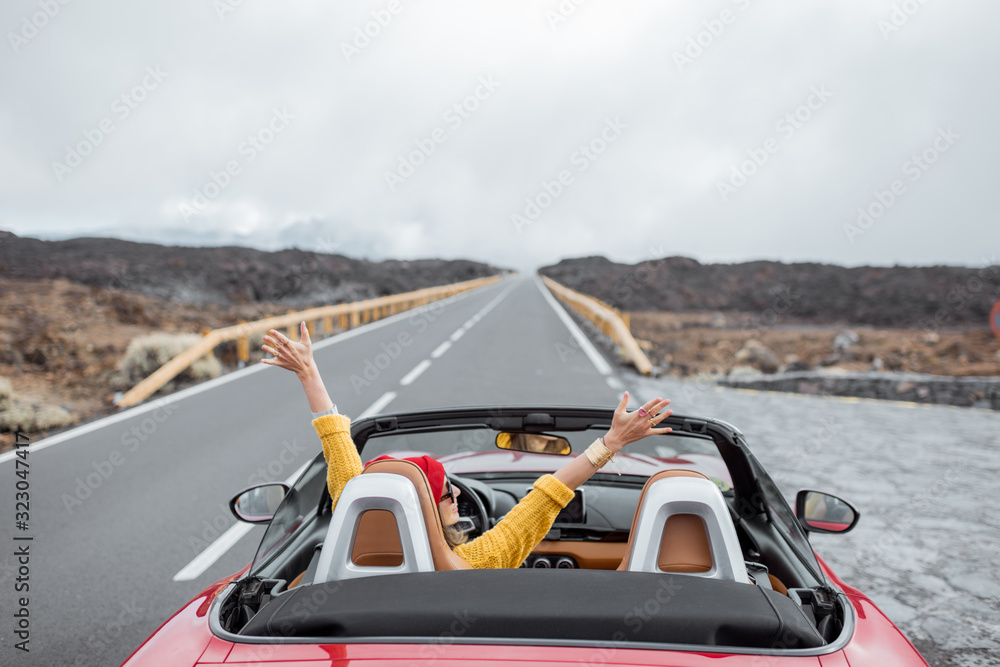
(876, 640)
(187, 638)
(440, 655)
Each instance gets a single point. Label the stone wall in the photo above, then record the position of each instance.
(979, 392)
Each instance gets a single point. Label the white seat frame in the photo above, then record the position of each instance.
(374, 491)
(687, 495)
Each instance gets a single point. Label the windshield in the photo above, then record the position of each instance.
(473, 450)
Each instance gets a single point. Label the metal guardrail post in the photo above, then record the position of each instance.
(243, 347)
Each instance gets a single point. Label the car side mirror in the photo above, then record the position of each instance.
(536, 443)
(258, 504)
(820, 512)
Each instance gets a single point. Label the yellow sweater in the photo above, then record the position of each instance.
(507, 544)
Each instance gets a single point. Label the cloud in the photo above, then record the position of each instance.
(365, 87)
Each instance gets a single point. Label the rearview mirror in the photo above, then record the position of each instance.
(536, 443)
(821, 512)
(258, 503)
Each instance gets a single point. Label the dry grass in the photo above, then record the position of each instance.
(27, 416)
(147, 353)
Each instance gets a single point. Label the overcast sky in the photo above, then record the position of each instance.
(517, 133)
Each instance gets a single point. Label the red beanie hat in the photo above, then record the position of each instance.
(432, 469)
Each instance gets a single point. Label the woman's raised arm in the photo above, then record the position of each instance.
(626, 428)
(298, 358)
(334, 431)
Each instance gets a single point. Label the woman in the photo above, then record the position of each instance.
(509, 542)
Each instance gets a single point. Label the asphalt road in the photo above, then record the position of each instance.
(125, 505)
(124, 511)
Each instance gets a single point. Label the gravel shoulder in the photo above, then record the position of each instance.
(927, 548)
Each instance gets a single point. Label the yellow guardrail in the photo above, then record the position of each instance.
(349, 315)
(609, 320)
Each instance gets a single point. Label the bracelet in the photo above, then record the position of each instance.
(324, 413)
(598, 453)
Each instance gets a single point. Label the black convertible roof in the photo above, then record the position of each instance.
(590, 605)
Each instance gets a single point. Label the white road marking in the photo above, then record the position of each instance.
(458, 334)
(224, 543)
(228, 539)
(213, 552)
(379, 405)
(588, 348)
(415, 373)
(441, 349)
(110, 420)
(614, 383)
(172, 399)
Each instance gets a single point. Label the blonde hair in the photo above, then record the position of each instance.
(453, 536)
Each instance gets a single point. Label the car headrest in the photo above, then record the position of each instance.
(682, 525)
(378, 540)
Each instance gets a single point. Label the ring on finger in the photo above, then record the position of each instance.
(643, 412)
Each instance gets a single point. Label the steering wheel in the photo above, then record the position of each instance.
(470, 508)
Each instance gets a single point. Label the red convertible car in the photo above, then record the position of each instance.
(686, 555)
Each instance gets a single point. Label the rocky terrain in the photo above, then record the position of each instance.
(685, 344)
(931, 297)
(224, 275)
(69, 309)
(768, 317)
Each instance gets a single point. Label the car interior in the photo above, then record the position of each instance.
(702, 552)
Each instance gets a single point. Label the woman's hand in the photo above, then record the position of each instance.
(627, 427)
(296, 357)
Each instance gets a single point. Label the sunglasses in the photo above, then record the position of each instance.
(449, 492)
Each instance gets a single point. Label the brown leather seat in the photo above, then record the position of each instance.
(377, 542)
(684, 544)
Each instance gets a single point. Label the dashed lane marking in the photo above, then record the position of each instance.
(379, 405)
(175, 398)
(415, 373)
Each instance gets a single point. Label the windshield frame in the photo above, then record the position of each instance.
(748, 476)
